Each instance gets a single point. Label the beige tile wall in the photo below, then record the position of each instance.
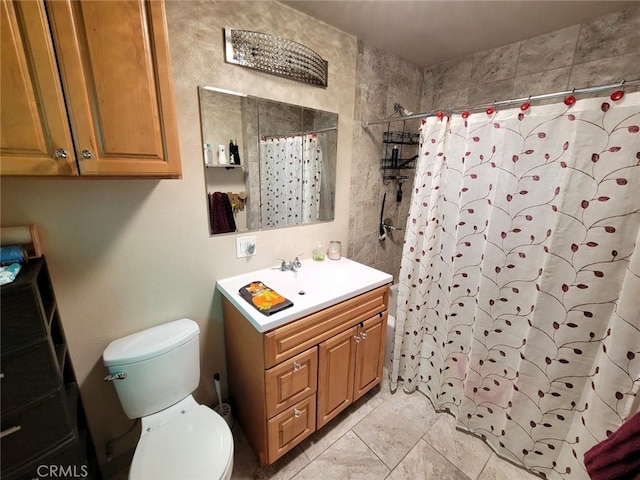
(603, 51)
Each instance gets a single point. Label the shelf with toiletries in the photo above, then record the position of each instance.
(228, 167)
(400, 152)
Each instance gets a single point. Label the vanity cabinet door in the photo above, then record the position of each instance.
(370, 354)
(335, 375)
(114, 64)
(33, 123)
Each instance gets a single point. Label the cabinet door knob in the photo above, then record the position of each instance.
(296, 366)
(356, 338)
(86, 154)
(363, 335)
(296, 412)
(61, 153)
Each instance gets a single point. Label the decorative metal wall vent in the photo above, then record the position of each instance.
(275, 55)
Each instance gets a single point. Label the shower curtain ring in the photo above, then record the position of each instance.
(492, 109)
(618, 94)
(571, 99)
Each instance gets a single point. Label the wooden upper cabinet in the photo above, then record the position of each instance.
(113, 62)
(33, 117)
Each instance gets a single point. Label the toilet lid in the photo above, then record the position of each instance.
(194, 445)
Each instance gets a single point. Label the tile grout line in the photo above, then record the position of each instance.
(339, 438)
(484, 466)
(371, 450)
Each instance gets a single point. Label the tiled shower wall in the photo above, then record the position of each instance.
(603, 51)
(382, 79)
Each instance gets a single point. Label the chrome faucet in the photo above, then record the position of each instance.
(290, 266)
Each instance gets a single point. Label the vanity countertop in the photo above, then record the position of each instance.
(313, 287)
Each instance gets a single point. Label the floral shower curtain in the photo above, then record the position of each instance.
(519, 296)
(291, 169)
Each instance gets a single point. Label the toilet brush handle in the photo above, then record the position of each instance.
(216, 379)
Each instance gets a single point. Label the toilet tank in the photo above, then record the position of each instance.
(162, 366)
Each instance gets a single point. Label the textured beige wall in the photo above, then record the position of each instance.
(129, 254)
(603, 51)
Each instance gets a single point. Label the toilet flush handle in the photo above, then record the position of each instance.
(115, 376)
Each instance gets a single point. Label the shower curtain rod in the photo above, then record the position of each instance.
(544, 96)
(321, 130)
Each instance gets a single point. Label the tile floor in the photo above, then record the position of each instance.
(383, 436)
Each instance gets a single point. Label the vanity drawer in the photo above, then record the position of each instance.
(291, 381)
(295, 337)
(288, 429)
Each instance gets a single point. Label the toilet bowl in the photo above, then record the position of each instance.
(154, 373)
(196, 444)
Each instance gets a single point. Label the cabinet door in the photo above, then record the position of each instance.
(335, 375)
(370, 355)
(33, 117)
(114, 63)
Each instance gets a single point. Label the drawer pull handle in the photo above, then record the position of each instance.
(363, 335)
(357, 338)
(296, 366)
(10, 431)
(296, 412)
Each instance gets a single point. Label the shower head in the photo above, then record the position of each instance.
(398, 108)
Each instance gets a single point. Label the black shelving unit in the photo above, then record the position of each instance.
(44, 426)
(400, 153)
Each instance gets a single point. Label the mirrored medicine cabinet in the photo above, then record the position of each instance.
(268, 164)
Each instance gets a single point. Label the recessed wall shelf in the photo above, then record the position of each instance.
(228, 166)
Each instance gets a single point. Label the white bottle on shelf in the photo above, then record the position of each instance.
(208, 154)
(222, 155)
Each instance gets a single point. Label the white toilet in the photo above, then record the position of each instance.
(154, 372)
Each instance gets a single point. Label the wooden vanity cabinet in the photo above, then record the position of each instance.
(290, 381)
(87, 90)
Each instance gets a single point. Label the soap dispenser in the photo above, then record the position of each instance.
(318, 252)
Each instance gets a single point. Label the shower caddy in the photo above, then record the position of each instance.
(400, 152)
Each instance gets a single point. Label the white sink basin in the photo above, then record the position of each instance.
(316, 285)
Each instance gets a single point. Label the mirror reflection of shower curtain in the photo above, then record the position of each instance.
(290, 187)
